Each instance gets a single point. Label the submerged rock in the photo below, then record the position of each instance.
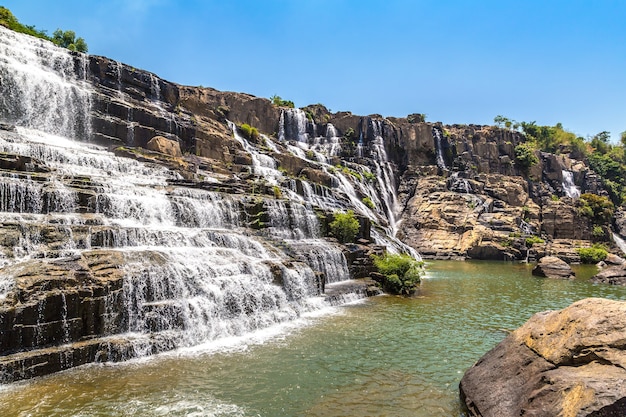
(560, 363)
(553, 267)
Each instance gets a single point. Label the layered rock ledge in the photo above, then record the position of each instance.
(568, 363)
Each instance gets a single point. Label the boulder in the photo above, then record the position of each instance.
(553, 267)
(560, 363)
(166, 146)
(614, 275)
(613, 259)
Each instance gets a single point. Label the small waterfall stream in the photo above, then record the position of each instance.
(569, 187)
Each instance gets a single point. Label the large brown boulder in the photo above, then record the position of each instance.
(560, 363)
(615, 275)
(165, 146)
(553, 267)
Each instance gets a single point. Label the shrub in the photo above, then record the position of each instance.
(277, 191)
(592, 255)
(597, 232)
(530, 241)
(401, 273)
(345, 226)
(525, 156)
(368, 202)
(369, 176)
(249, 132)
(598, 208)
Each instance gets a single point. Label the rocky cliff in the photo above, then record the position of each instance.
(139, 215)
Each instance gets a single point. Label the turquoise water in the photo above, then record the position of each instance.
(386, 356)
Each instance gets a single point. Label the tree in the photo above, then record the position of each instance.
(278, 101)
(600, 142)
(345, 226)
(67, 39)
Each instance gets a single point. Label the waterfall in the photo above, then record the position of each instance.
(441, 162)
(193, 270)
(263, 165)
(569, 187)
(619, 242)
(293, 125)
(385, 175)
(40, 88)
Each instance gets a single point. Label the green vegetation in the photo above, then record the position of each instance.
(249, 132)
(401, 273)
(598, 208)
(277, 191)
(525, 155)
(278, 101)
(369, 176)
(345, 226)
(368, 202)
(592, 255)
(416, 118)
(66, 39)
(530, 241)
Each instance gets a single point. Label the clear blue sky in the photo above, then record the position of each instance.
(456, 61)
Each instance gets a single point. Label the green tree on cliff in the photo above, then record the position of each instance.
(66, 39)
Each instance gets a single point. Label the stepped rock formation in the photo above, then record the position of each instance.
(559, 363)
(139, 216)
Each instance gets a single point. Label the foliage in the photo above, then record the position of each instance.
(592, 255)
(310, 154)
(401, 273)
(416, 118)
(278, 101)
(277, 191)
(369, 176)
(66, 39)
(345, 226)
(598, 232)
(598, 208)
(249, 132)
(368, 202)
(525, 155)
(530, 241)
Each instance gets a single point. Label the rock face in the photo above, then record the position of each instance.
(553, 267)
(562, 363)
(150, 163)
(164, 146)
(614, 275)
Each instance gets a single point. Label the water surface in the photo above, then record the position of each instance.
(387, 356)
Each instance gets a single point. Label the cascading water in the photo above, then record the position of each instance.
(192, 271)
(569, 187)
(40, 87)
(619, 242)
(385, 175)
(441, 162)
